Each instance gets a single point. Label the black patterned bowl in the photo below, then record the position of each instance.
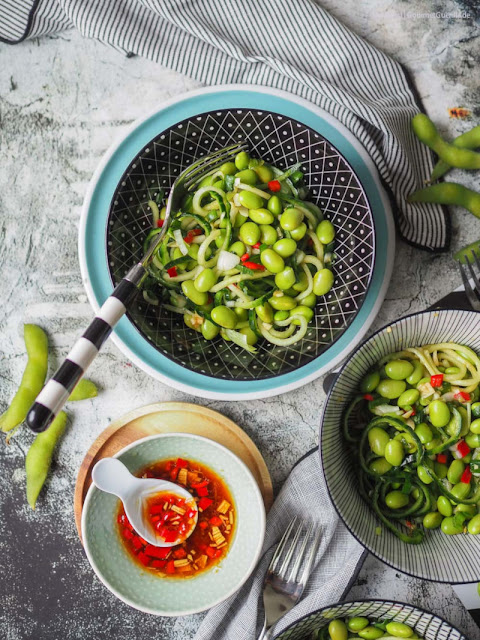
(442, 558)
(426, 625)
(117, 218)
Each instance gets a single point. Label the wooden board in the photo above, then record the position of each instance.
(171, 417)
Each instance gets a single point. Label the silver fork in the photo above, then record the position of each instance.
(57, 390)
(468, 273)
(288, 572)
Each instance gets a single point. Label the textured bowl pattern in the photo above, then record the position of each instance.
(334, 187)
(427, 625)
(454, 559)
(171, 596)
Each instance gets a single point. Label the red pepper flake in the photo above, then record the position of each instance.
(180, 553)
(218, 553)
(442, 458)
(127, 534)
(181, 463)
(257, 245)
(203, 524)
(215, 521)
(436, 381)
(170, 568)
(210, 551)
(156, 509)
(274, 185)
(459, 112)
(462, 396)
(158, 564)
(368, 396)
(157, 552)
(174, 473)
(137, 542)
(202, 491)
(463, 449)
(193, 233)
(160, 223)
(245, 256)
(172, 272)
(197, 485)
(204, 503)
(466, 475)
(254, 266)
(144, 559)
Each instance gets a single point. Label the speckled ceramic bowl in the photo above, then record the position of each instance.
(170, 596)
(426, 625)
(442, 558)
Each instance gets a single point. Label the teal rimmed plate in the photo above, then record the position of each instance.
(282, 130)
(175, 596)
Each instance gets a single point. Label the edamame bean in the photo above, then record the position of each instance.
(325, 232)
(209, 330)
(242, 160)
(394, 453)
(444, 506)
(274, 205)
(261, 216)
(474, 525)
(337, 630)
(192, 293)
(279, 316)
(476, 410)
(207, 182)
(238, 248)
(473, 440)
(399, 629)
(242, 314)
(282, 303)
(378, 440)
(310, 300)
(424, 432)
(302, 282)
(249, 233)
(285, 247)
(193, 321)
(299, 232)
(460, 490)
(370, 633)
(224, 317)
(380, 466)
(475, 426)
(396, 500)
(398, 369)
(219, 240)
(408, 398)
(205, 280)
(39, 456)
(449, 193)
(240, 219)
(423, 475)
(450, 527)
(268, 235)
(452, 370)
(357, 623)
(265, 312)
(455, 471)
(439, 413)
(228, 169)
(247, 176)
(391, 389)
(291, 219)
(432, 520)
(265, 174)
(417, 373)
(250, 200)
(440, 469)
(285, 279)
(370, 382)
(272, 261)
(322, 282)
(301, 310)
(251, 337)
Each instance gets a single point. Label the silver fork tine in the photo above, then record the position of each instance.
(312, 552)
(291, 549)
(300, 555)
(474, 277)
(216, 158)
(473, 296)
(281, 546)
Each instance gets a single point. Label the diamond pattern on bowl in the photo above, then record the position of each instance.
(278, 140)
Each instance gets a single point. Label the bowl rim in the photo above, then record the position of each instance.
(320, 449)
(277, 384)
(224, 596)
(379, 600)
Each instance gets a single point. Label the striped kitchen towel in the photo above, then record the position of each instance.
(296, 46)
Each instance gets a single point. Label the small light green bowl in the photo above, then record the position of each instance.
(175, 596)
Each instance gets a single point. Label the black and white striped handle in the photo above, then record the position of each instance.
(57, 390)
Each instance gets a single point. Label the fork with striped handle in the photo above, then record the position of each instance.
(57, 390)
(288, 572)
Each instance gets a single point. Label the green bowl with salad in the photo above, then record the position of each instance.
(400, 445)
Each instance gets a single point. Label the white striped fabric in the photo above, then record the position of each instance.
(296, 46)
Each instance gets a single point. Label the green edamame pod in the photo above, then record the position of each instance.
(33, 377)
(84, 389)
(449, 193)
(39, 457)
(468, 140)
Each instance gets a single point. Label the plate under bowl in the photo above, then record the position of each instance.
(344, 184)
(166, 596)
(442, 558)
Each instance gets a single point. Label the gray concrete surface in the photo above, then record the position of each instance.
(63, 101)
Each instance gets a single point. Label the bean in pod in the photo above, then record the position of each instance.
(450, 193)
(224, 317)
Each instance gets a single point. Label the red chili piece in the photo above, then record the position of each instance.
(257, 245)
(442, 458)
(191, 235)
(436, 381)
(462, 396)
(463, 448)
(215, 521)
(254, 266)
(157, 552)
(466, 475)
(202, 491)
(203, 524)
(204, 503)
(274, 185)
(197, 485)
(368, 397)
(181, 463)
(210, 551)
(245, 256)
(172, 272)
(160, 223)
(170, 568)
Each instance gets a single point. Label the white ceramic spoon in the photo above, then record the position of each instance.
(112, 476)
